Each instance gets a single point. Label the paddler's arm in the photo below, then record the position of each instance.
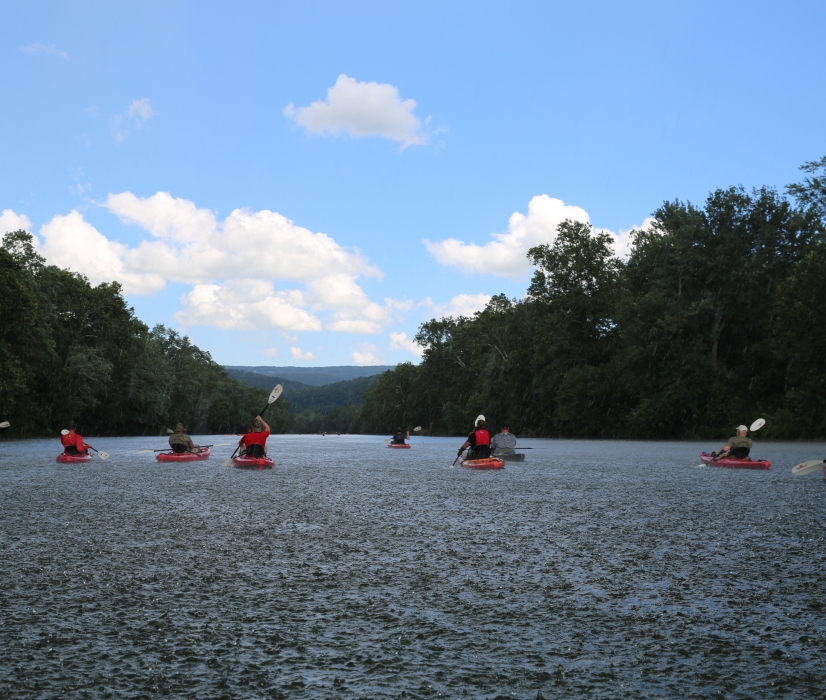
(264, 423)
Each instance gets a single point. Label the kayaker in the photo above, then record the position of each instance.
(399, 436)
(179, 441)
(739, 446)
(72, 442)
(503, 442)
(478, 441)
(254, 443)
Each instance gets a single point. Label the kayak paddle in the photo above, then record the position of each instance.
(274, 394)
(415, 430)
(169, 449)
(5, 424)
(759, 423)
(807, 467)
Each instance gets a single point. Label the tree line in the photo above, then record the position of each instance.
(718, 316)
(71, 351)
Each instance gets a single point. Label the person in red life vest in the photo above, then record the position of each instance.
(72, 442)
(254, 443)
(478, 441)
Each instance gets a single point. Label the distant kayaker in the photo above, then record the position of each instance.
(254, 443)
(739, 446)
(179, 441)
(503, 442)
(478, 441)
(400, 435)
(72, 442)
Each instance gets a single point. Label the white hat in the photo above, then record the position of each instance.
(742, 427)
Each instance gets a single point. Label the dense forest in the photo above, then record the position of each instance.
(70, 351)
(717, 317)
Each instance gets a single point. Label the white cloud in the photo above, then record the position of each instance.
(460, 305)
(246, 305)
(252, 270)
(400, 341)
(49, 50)
(367, 355)
(138, 113)
(299, 355)
(72, 243)
(505, 255)
(269, 352)
(361, 110)
(9, 221)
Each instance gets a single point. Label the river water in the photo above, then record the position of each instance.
(592, 569)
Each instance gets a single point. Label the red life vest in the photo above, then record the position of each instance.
(482, 436)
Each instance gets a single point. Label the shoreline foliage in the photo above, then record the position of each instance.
(717, 317)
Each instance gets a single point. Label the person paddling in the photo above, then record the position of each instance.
(72, 442)
(399, 436)
(739, 446)
(179, 441)
(478, 441)
(254, 443)
(503, 442)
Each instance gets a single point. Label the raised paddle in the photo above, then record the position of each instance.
(808, 467)
(274, 394)
(759, 423)
(5, 424)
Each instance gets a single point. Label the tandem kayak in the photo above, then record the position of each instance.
(253, 462)
(731, 463)
(184, 456)
(65, 458)
(403, 446)
(484, 463)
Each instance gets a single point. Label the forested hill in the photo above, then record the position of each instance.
(313, 409)
(314, 376)
(717, 317)
(263, 381)
(70, 351)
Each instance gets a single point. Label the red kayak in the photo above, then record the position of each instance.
(184, 456)
(65, 458)
(403, 446)
(731, 463)
(253, 462)
(484, 463)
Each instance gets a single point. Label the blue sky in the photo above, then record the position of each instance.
(257, 177)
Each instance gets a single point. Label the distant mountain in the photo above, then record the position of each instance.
(265, 381)
(314, 376)
(323, 399)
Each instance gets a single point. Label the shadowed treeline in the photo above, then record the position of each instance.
(717, 317)
(72, 351)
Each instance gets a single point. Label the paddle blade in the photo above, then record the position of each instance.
(478, 418)
(759, 423)
(5, 424)
(417, 429)
(227, 462)
(169, 432)
(64, 432)
(275, 393)
(807, 467)
(388, 439)
(103, 455)
(145, 452)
